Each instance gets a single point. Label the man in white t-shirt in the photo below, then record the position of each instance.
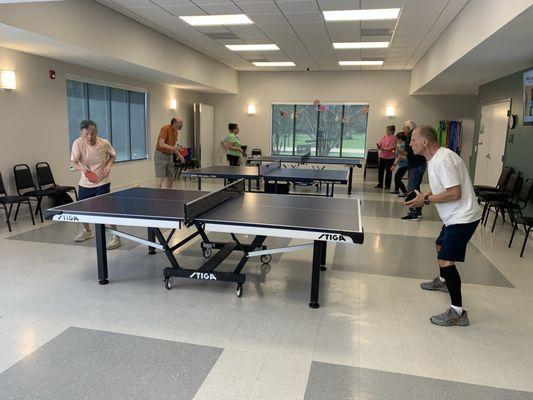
(453, 195)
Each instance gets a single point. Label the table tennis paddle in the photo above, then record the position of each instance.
(91, 176)
(410, 196)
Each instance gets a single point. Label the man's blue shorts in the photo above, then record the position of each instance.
(453, 240)
(87, 193)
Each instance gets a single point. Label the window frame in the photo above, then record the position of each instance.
(343, 103)
(128, 89)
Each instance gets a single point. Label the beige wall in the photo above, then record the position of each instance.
(379, 88)
(33, 119)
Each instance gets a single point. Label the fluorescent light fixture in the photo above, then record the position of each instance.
(211, 20)
(362, 15)
(251, 109)
(173, 104)
(8, 80)
(361, 45)
(390, 111)
(360, 63)
(252, 47)
(274, 64)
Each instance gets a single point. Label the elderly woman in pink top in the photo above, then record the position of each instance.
(93, 157)
(387, 148)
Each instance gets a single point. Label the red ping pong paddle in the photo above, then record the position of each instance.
(91, 176)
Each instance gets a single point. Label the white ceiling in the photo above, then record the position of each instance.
(299, 29)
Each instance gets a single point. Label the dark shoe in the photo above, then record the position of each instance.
(435, 284)
(402, 195)
(450, 318)
(378, 187)
(410, 217)
(395, 192)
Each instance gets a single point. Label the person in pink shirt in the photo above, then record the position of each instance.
(387, 150)
(93, 157)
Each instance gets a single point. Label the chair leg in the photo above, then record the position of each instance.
(495, 218)
(515, 227)
(31, 213)
(7, 217)
(364, 174)
(526, 230)
(76, 194)
(39, 210)
(16, 212)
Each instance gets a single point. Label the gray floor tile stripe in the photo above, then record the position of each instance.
(412, 257)
(339, 382)
(89, 364)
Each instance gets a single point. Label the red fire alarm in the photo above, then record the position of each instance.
(52, 74)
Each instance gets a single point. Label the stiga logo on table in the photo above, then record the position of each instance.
(334, 237)
(203, 275)
(71, 218)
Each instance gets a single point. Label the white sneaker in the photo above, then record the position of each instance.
(83, 235)
(113, 243)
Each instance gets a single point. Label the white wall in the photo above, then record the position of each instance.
(379, 88)
(33, 119)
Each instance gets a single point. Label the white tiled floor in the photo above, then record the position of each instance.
(270, 336)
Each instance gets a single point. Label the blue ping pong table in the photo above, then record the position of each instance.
(308, 159)
(271, 174)
(230, 210)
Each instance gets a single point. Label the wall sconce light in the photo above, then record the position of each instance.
(8, 80)
(390, 111)
(173, 104)
(251, 109)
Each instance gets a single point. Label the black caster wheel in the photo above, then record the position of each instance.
(206, 253)
(239, 290)
(168, 283)
(265, 268)
(266, 258)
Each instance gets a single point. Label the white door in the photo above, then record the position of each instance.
(207, 134)
(491, 142)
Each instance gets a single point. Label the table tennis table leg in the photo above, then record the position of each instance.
(350, 175)
(101, 254)
(318, 249)
(323, 256)
(199, 183)
(151, 238)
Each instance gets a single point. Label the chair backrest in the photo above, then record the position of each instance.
(372, 157)
(256, 152)
(512, 182)
(504, 177)
(2, 187)
(23, 178)
(44, 174)
(525, 192)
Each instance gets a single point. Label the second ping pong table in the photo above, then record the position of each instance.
(272, 174)
(308, 159)
(229, 210)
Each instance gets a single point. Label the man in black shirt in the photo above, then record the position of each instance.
(416, 165)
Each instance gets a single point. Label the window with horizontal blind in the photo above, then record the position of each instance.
(120, 115)
(326, 130)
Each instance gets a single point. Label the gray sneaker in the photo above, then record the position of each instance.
(435, 284)
(83, 235)
(451, 318)
(113, 243)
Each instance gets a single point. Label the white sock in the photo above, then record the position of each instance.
(458, 310)
(442, 280)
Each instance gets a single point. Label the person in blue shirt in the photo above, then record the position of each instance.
(400, 163)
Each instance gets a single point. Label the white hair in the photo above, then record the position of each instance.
(410, 123)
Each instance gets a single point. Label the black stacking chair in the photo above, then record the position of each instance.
(18, 200)
(516, 215)
(514, 206)
(505, 195)
(500, 186)
(372, 161)
(26, 187)
(46, 180)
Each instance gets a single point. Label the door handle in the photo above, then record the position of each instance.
(488, 156)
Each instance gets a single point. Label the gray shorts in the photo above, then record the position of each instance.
(164, 164)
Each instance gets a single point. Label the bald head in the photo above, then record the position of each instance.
(176, 123)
